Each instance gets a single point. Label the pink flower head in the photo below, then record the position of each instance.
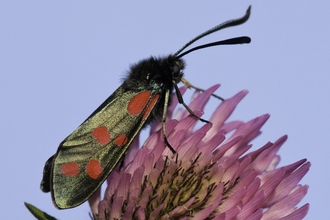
(211, 176)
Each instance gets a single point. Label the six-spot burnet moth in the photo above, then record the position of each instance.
(88, 155)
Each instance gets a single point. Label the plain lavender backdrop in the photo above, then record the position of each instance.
(60, 60)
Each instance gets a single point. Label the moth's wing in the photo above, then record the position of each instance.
(45, 182)
(87, 156)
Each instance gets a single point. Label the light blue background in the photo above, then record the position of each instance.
(60, 60)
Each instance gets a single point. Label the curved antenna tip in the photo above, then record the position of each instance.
(223, 25)
(246, 40)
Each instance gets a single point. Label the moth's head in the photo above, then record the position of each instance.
(177, 66)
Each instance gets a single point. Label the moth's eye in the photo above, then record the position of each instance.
(176, 70)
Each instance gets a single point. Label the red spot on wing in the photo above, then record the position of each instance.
(70, 169)
(150, 106)
(101, 135)
(94, 169)
(121, 140)
(138, 103)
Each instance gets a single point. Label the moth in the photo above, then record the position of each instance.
(89, 154)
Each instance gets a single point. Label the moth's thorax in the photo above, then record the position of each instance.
(155, 74)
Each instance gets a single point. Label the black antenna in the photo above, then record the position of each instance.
(236, 40)
(223, 25)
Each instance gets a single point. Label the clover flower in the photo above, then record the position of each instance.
(212, 176)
